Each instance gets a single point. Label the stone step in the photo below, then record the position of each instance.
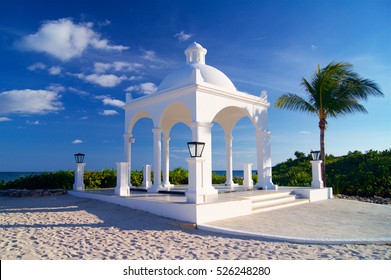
(282, 205)
(273, 201)
(269, 195)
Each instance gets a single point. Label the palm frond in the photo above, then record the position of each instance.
(359, 88)
(345, 107)
(333, 90)
(312, 92)
(294, 102)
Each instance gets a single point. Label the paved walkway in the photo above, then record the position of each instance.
(335, 221)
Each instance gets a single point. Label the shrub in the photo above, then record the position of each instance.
(136, 178)
(47, 180)
(100, 179)
(218, 179)
(179, 176)
(363, 174)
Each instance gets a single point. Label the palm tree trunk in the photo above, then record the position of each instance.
(322, 127)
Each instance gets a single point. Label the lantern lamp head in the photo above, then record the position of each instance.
(315, 155)
(196, 148)
(79, 157)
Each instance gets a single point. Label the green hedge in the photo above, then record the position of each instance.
(47, 180)
(98, 179)
(363, 174)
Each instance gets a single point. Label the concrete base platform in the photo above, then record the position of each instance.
(228, 204)
(174, 206)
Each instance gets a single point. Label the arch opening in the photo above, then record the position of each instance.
(235, 144)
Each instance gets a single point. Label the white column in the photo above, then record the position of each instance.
(195, 193)
(200, 169)
(128, 141)
(264, 163)
(122, 188)
(127, 146)
(248, 176)
(79, 177)
(228, 160)
(166, 162)
(316, 174)
(147, 177)
(157, 160)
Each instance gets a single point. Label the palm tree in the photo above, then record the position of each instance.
(333, 91)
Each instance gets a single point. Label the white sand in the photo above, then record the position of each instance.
(66, 227)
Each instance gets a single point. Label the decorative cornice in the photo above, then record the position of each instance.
(195, 88)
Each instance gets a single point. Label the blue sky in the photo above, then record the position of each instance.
(66, 67)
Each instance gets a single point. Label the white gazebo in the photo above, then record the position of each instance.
(197, 95)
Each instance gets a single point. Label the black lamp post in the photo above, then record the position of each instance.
(196, 148)
(79, 157)
(315, 155)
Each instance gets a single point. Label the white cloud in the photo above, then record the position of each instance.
(149, 55)
(104, 45)
(179, 150)
(182, 36)
(65, 39)
(100, 67)
(5, 119)
(305, 132)
(148, 88)
(37, 66)
(109, 113)
(152, 57)
(106, 22)
(77, 141)
(132, 88)
(102, 96)
(77, 91)
(104, 80)
(113, 102)
(33, 122)
(56, 88)
(29, 101)
(55, 70)
(125, 66)
(144, 88)
(135, 78)
(314, 47)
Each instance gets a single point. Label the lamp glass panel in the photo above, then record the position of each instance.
(200, 149)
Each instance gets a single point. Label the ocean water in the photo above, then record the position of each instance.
(235, 173)
(10, 176)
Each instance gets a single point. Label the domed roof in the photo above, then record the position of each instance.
(195, 59)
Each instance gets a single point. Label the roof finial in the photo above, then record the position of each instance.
(195, 53)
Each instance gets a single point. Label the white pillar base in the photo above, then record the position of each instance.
(248, 182)
(79, 177)
(168, 186)
(156, 188)
(266, 186)
(147, 183)
(198, 191)
(317, 182)
(231, 185)
(122, 188)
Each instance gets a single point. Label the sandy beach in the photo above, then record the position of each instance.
(66, 227)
